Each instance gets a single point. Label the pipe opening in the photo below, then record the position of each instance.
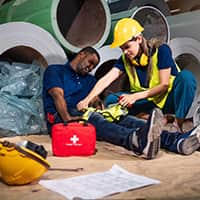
(188, 61)
(191, 63)
(104, 68)
(154, 23)
(85, 22)
(23, 54)
(120, 84)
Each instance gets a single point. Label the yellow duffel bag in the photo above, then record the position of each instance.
(20, 165)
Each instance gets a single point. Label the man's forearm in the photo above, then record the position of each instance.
(61, 108)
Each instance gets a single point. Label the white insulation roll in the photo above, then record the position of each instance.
(191, 48)
(106, 54)
(15, 34)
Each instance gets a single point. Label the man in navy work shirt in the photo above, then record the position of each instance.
(65, 85)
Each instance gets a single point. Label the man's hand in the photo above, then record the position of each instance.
(76, 118)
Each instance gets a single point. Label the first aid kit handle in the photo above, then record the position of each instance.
(76, 120)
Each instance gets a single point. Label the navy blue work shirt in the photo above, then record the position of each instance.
(165, 61)
(76, 87)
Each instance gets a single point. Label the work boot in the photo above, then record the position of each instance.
(146, 140)
(189, 145)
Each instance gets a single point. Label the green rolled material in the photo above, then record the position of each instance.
(74, 23)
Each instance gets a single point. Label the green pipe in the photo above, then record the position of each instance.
(74, 23)
(16, 11)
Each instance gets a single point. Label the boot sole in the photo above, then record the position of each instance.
(153, 140)
(190, 145)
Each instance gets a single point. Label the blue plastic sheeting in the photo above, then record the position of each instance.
(21, 110)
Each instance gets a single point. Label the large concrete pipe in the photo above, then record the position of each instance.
(75, 23)
(154, 22)
(186, 52)
(107, 54)
(25, 42)
(151, 18)
(185, 25)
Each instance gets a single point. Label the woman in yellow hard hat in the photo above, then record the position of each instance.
(155, 79)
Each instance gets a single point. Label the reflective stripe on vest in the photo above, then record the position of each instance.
(135, 86)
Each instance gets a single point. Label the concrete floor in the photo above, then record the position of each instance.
(179, 175)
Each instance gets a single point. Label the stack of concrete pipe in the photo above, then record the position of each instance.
(74, 23)
(77, 23)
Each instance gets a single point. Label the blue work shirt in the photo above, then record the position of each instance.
(165, 61)
(76, 87)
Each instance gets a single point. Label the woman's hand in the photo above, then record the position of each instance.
(82, 105)
(127, 100)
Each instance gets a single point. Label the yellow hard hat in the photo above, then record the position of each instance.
(124, 30)
(19, 165)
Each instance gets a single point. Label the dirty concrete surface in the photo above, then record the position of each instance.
(179, 175)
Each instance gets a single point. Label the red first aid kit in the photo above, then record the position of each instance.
(73, 139)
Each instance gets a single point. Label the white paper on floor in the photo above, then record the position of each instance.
(98, 185)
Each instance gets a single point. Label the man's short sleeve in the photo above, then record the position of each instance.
(91, 81)
(53, 77)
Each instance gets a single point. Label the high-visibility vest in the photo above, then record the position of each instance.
(112, 114)
(135, 85)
